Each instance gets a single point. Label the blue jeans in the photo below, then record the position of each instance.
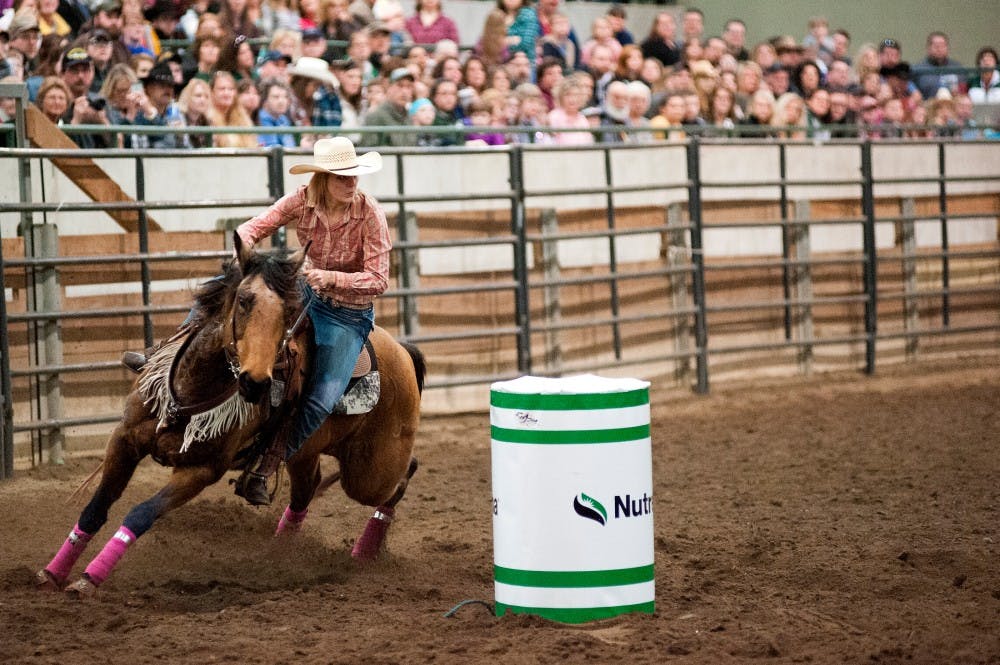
(339, 332)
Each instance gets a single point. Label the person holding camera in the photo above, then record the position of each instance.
(86, 107)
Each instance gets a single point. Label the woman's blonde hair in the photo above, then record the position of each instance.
(116, 74)
(317, 193)
(234, 116)
(184, 100)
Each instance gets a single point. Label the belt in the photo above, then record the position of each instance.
(339, 303)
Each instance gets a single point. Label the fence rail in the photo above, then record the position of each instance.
(536, 311)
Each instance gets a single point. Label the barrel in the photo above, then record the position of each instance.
(572, 497)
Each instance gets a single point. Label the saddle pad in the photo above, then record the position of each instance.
(364, 364)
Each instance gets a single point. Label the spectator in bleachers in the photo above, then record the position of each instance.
(789, 116)
(941, 116)
(532, 115)
(499, 79)
(735, 37)
(447, 111)
(249, 97)
(897, 79)
(602, 69)
(571, 95)
(557, 44)
(764, 55)
(49, 20)
(639, 99)
(474, 73)
(890, 53)
(617, 17)
(928, 73)
(693, 51)
(918, 124)
(351, 96)
(226, 111)
(390, 12)
(693, 23)
(838, 76)
(984, 85)
(46, 62)
(379, 45)
(429, 25)
(481, 116)
(600, 33)
(777, 79)
(693, 114)
(869, 117)
(614, 112)
(790, 53)
(819, 38)
(164, 17)
(309, 16)
(670, 116)
(237, 58)
(759, 114)
(314, 43)
(550, 72)
(522, 28)
(99, 48)
(547, 10)
(818, 114)
(273, 65)
(53, 99)
(141, 63)
(137, 34)
(449, 68)
(841, 46)
(713, 50)
(274, 113)
(315, 89)
(653, 74)
(279, 15)
(722, 110)
(288, 42)
(194, 102)
(892, 118)
(392, 112)
(965, 118)
(359, 50)
(493, 40)
(749, 79)
(840, 117)
(419, 59)
(338, 24)
(806, 79)
(520, 68)
(661, 42)
(235, 18)
(629, 66)
(206, 51)
(362, 11)
(23, 40)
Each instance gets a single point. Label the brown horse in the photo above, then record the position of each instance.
(205, 396)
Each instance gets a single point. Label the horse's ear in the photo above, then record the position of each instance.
(299, 257)
(243, 252)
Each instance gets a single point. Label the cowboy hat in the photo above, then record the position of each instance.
(314, 68)
(337, 156)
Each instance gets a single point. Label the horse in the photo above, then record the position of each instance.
(207, 394)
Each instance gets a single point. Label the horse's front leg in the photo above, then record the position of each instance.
(119, 465)
(185, 484)
(304, 474)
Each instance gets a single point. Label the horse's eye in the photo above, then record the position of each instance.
(245, 301)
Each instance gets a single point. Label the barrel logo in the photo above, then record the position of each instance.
(591, 508)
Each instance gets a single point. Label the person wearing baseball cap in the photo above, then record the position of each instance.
(24, 38)
(347, 245)
(392, 112)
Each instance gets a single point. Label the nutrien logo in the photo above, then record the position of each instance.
(591, 508)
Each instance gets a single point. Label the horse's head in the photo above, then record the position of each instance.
(263, 303)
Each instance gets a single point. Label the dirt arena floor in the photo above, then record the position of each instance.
(838, 519)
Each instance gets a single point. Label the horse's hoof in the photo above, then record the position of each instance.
(82, 588)
(46, 581)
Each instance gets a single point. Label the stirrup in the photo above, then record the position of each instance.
(134, 361)
(252, 486)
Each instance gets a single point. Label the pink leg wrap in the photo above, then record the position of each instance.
(62, 563)
(290, 521)
(367, 546)
(103, 563)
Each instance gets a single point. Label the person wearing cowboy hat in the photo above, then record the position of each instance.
(315, 88)
(346, 267)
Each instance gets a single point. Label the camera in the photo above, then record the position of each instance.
(96, 101)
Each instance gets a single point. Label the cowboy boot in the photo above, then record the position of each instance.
(252, 484)
(135, 361)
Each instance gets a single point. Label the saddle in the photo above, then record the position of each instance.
(360, 396)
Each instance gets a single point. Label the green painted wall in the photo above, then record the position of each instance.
(970, 25)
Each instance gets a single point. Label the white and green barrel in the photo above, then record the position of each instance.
(572, 497)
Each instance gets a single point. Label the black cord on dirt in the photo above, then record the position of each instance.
(453, 611)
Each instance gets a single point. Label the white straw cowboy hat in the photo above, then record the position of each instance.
(337, 156)
(314, 68)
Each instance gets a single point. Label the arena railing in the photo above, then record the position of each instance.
(685, 273)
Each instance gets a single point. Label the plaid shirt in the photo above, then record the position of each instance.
(353, 249)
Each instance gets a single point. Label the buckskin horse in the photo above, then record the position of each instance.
(205, 395)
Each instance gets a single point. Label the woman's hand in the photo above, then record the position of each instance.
(318, 279)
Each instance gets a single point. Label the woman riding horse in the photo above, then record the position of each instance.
(346, 267)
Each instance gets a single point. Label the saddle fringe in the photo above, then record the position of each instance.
(153, 385)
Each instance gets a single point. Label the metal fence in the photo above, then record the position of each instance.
(534, 328)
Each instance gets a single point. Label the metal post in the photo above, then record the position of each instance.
(517, 228)
(276, 189)
(786, 288)
(911, 306)
(678, 254)
(698, 261)
(51, 301)
(945, 262)
(145, 276)
(871, 263)
(803, 286)
(409, 274)
(612, 257)
(553, 308)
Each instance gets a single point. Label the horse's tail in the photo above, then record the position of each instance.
(419, 364)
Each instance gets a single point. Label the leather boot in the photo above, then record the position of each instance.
(134, 361)
(252, 484)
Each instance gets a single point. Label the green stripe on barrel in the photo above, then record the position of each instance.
(588, 402)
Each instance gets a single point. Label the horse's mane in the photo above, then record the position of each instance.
(280, 274)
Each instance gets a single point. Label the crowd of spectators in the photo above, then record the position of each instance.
(272, 67)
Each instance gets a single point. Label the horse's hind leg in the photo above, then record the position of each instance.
(119, 464)
(368, 545)
(305, 476)
(184, 484)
